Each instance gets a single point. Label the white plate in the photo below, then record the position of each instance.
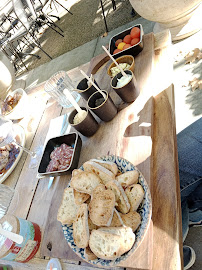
(19, 131)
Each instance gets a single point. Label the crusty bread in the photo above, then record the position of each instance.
(131, 219)
(108, 165)
(85, 182)
(68, 209)
(104, 174)
(120, 196)
(91, 226)
(97, 190)
(80, 197)
(89, 255)
(116, 220)
(101, 208)
(80, 227)
(135, 194)
(76, 171)
(110, 243)
(128, 178)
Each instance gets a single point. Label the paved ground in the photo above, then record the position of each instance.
(188, 102)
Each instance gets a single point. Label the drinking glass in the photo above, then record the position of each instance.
(7, 136)
(6, 195)
(56, 87)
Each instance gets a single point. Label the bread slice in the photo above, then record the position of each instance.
(80, 197)
(128, 178)
(76, 171)
(107, 164)
(89, 255)
(97, 190)
(68, 209)
(85, 182)
(120, 196)
(104, 174)
(131, 219)
(116, 220)
(101, 208)
(80, 227)
(91, 226)
(135, 194)
(110, 243)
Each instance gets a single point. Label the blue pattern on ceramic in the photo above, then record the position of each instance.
(145, 210)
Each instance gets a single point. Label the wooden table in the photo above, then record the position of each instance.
(142, 132)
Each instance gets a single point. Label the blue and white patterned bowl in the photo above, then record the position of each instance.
(145, 210)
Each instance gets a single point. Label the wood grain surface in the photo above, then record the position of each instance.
(142, 132)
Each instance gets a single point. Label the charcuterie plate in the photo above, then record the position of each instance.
(20, 137)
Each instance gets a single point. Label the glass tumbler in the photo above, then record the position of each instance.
(56, 87)
(6, 196)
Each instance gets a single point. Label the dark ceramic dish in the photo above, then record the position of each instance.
(72, 139)
(84, 90)
(134, 50)
(128, 92)
(87, 127)
(107, 110)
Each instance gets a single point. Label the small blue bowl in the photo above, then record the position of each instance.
(134, 50)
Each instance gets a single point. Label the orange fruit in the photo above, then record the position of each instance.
(121, 45)
(127, 39)
(116, 51)
(135, 32)
(126, 46)
(134, 41)
(117, 42)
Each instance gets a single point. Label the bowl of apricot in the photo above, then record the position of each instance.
(127, 42)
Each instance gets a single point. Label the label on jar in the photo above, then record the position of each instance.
(26, 251)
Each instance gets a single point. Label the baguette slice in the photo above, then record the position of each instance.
(110, 243)
(116, 220)
(80, 197)
(80, 227)
(108, 165)
(97, 190)
(89, 255)
(128, 178)
(68, 209)
(101, 208)
(120, 196)
(135, 194)
(85, 182)
(104, 174)
(131, 219)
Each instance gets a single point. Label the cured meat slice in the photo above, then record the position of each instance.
(52, 166)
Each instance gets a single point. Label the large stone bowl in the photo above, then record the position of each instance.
(181, 17)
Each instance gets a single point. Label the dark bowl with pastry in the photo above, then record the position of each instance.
(61, 155)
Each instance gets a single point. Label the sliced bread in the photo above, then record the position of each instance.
(110, 243)
(135, 194)
(101, 208)
(68, 209)
(97, 190)
(116, 220)
(89, 255)
(131, 219)
(80, 197)
(107, 164)
(120, 196)
(80, 227)
(91, 226)
(104, 174)
(76, 171)
(85, 182)
(128, 178)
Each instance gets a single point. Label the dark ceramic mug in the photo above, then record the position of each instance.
(85, 90)
(129, 91)
(107, 110)
(88, 126)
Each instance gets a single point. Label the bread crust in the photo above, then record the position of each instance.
(68, 208)
(80, 227)
(135, 194)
